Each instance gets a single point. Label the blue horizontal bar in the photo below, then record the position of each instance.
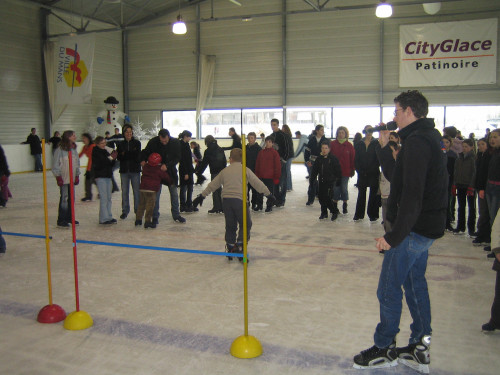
(235, 255)
(24, 235)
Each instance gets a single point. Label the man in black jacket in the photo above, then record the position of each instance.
(35, 149)
(417, 211)
(312, 151)
(170, 151)
(214, 158)
(284, 146)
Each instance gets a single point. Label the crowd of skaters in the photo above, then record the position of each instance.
(473, 175)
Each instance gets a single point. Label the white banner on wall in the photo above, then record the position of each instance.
(448, 53)
(74, 60)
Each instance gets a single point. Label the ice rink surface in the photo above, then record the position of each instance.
(312, 292)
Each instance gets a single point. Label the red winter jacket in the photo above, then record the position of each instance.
(345, 153)
(268, 164)
(152, 177)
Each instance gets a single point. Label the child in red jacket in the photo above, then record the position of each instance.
(152, 178)
(268, 168)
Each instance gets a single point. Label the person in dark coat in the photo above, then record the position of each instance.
(214, 158)
(103, 160)
(367, 167)
(284, 145)
(313, 150)
(129, 156)
(35, 149)
(416, 209)
(4, 179)
(483, 235)
(450, 167)
(54, 141)
(327, 169)
(253, 150)
(186, 171)
(169, 149)
(236, 140)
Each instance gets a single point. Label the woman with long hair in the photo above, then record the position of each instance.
(60, 170)
(483, 234)
(344, 151)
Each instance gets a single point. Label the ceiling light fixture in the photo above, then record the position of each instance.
(384, 10)
(431, 8)
(179, 27)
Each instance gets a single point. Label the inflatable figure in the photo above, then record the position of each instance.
(111, 115)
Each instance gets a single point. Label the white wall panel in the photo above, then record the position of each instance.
(21, 100)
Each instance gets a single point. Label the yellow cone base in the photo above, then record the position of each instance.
(78, 320)
(246, 347)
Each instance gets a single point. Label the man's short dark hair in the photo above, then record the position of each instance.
(275, 120)
(326, 143)
(318, 127)
(298, 132)
(269, 138)
(415, 100)
(252, 134)
(164, 133)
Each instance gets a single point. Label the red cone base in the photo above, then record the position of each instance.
(51, 314)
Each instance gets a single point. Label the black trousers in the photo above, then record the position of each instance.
(325, 195)
(373, 202)
(495, 308)
(463, 200)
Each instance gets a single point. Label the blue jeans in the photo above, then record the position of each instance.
(174, 202)
(128, 179)
(340, 193)
(281, 196)
(38, 162)
(104, 187)
(64, 214)
(289, 174)
(3, 245)
(404, 265)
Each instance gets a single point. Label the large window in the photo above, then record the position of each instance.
(217, 122)
(259, 120)
(473, 119)
(178, 121)
(306, 119)
(355, 118)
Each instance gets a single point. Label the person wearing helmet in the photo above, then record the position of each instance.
(152, 178)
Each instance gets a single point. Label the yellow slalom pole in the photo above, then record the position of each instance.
(245, 346)
(51, 313)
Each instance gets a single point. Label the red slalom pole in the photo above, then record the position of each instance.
(77, 320)
(73, 229)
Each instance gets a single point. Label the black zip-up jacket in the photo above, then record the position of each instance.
(4, 167)
(284, 143)
(482, 164)
(170, 154)
(419, 196)
(35, 144)
(327, 168)
(494, 166)
(366, 162)
(186, 164)
(102, 165)
(129, 155)
(313, 148)
(252, 153)
(236, 142)
(214, 157)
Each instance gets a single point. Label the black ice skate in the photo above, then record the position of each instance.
(416, 356)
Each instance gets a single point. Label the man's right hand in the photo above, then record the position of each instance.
(383, 137)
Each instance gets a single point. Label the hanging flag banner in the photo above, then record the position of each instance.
(448, 53)
(74, 56)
